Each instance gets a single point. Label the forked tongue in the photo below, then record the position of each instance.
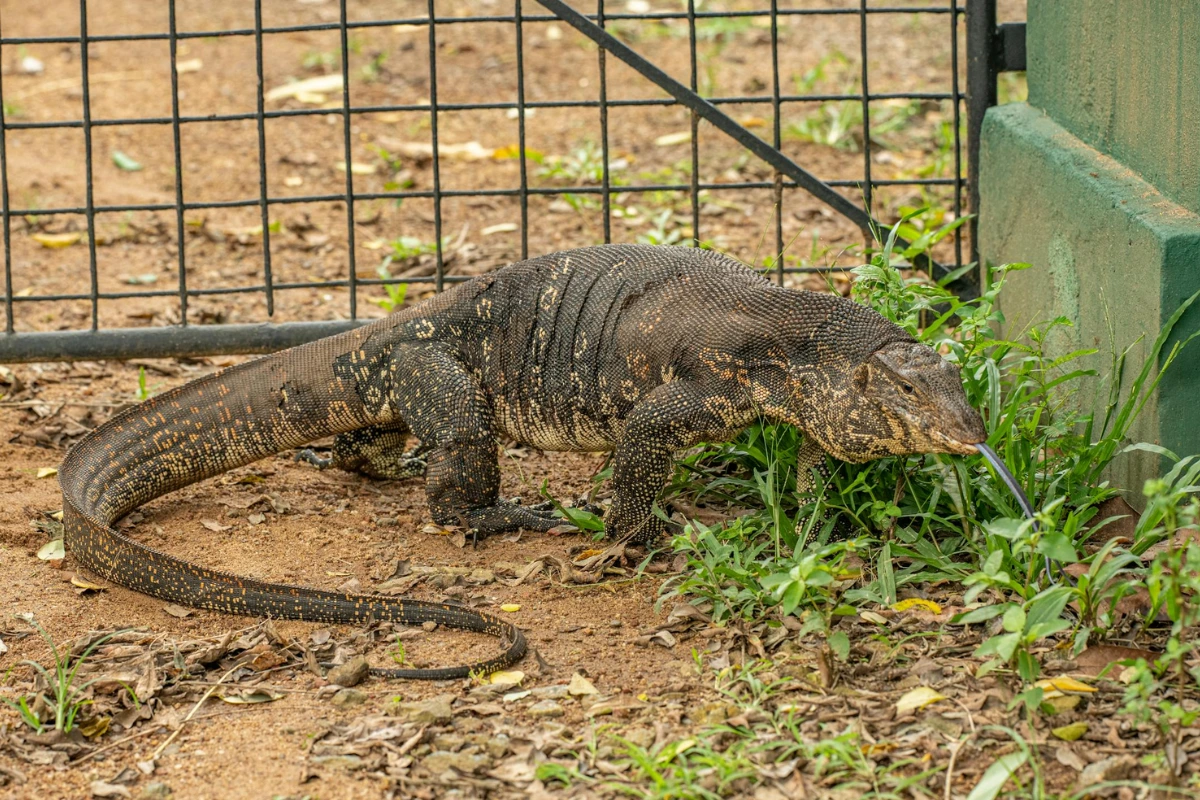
(1017, 491)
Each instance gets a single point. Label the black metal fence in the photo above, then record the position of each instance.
(989, 50)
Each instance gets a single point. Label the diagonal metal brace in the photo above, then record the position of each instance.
(723, 122)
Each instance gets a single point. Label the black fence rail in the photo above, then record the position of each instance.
(990, 49)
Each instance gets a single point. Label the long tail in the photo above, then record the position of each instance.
(207, 427)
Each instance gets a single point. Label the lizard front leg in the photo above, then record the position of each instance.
(671, 417)
(444, 406)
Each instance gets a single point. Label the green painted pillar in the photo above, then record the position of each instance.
(1096, 183)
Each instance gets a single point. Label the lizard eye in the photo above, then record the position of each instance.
(906, 388)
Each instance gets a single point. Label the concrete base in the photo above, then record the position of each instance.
(1108, 251)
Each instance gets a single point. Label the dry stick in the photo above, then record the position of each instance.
(953, 758)
(158, 750)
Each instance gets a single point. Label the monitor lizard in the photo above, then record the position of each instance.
(639, 350)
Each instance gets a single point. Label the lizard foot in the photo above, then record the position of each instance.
(309, 455)
(505, 517)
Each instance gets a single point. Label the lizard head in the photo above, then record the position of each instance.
(902, 399)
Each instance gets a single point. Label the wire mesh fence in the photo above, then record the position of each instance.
(168, 165)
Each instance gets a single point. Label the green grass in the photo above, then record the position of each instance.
(930, 520)
(63, 695)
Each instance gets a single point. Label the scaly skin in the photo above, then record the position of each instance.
(640, 350)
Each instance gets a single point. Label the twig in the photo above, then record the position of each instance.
(954, 757)
(192, 713)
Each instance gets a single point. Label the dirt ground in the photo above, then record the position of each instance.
(236, 708)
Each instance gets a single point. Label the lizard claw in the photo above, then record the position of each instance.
(310, 456)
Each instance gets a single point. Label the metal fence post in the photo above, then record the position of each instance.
(981, 95)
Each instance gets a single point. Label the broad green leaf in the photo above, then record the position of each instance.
(1014, 619)
(995, 776)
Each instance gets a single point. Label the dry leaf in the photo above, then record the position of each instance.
(1064, 683)
(250, 697)
(357, 168)
(507, 677)
(214, 526)
(503, 227)
(52, 550)
(86, 586)
(1097, 658)
(310, 87)
(103, 789)
(917, 699)
(580, 686)
(191, 65)
(917, 602)
(668, 139)
(47, 472)
(177, 611)
(57, 241)
(1069, 733)
(467, 151)
(510, 607)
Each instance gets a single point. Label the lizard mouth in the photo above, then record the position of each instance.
(953, 445)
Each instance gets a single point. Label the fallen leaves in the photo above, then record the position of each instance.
(311, 90)
(918, 698)
(47, 472)
(52, 550)
(1095, 659)
(251, 697)
(671, 139)
(57, 241)
(917, 602)
(510, 607)
(580, 686)
(1069, 733)
(85, 586)
(506, 678)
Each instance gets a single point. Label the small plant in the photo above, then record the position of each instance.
(65, 698)
(406, 248)
(144, 390)
(1158, 689)
(321, 60)
(661, 231)
(398, 653)
(396, 292)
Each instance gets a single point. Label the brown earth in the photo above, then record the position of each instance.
(327, 529)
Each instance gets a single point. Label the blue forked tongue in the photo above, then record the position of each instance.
(1017, 491)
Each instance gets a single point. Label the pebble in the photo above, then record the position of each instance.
(546, 709)
(553, 692)
(497, 746)
(155, 790)
(346, 698)
(424, 712)
(351, 673)
(439, 761)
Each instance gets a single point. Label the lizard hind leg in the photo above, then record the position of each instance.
(446, 408)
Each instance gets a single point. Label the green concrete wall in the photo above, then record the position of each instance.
(1124, 76)
(1109, 252)
(1096, 183)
